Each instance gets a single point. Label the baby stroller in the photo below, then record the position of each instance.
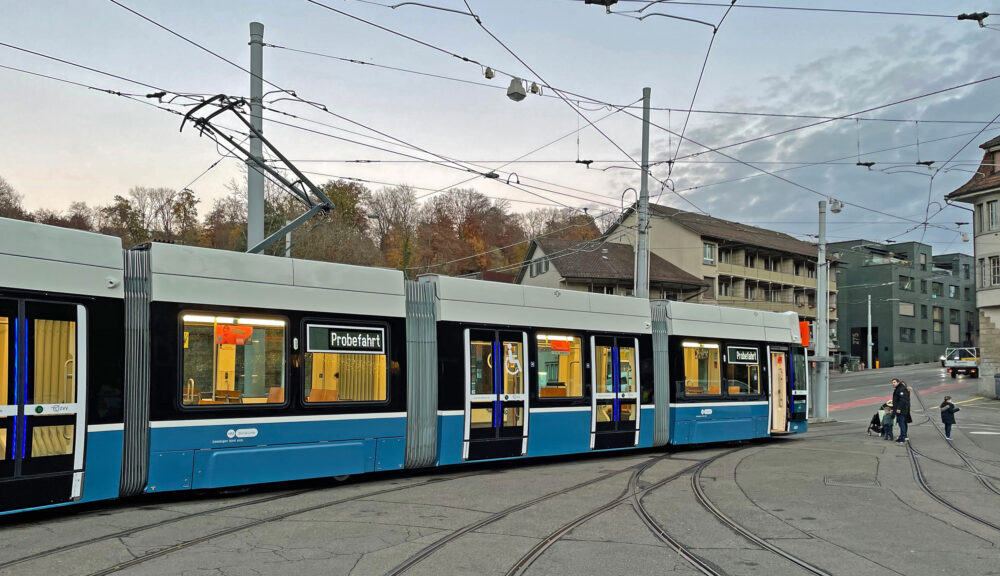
(875, 426)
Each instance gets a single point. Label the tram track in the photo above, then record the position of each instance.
(633, 493)
(740, 529)
(983, 478)
(438, 545)
(142, 528)
(141, 559)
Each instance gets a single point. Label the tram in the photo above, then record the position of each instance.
(166, 368)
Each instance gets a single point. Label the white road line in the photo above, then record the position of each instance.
(985, 433)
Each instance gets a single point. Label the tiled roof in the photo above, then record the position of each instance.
(735, 232)
(986, 178)
(609, 261)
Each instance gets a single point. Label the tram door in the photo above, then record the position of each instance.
(614, 420)
(780, 371)
(42, 402)
(496, 399)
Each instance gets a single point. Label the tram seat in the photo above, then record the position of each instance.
(322, 395)
(554, 390)
(604, 413)
(228, 396)
(734, 390)
(276, 395)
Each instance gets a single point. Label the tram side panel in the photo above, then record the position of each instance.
(259, 381)
(61, 360)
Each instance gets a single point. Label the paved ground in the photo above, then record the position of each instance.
(835, 499)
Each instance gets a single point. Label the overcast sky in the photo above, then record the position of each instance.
(62, 142)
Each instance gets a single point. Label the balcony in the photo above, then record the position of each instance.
(767, 276)
(805, 311)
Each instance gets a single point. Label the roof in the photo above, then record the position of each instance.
(608, 261)
(735, 232)
(986, 178)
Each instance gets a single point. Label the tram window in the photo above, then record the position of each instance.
(799, 370)
(603, 363)
(345, 364)
(626, 363)
(233, 360)
(513, 375)
(54, 342)
(560, 366)
(702, 371)
(5, 344)
(481, 367)
(51, 441)
(742, 379)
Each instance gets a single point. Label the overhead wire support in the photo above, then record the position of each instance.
(301, 189)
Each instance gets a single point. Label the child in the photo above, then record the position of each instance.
(888, 419)
(948, 410)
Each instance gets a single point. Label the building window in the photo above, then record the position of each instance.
(906, 334)
(996, 161)
(560, 366)
(708, 254)
(702, 372)
(979, 218)
(751, 292)
(982, 273)
(710, 289)
(965, 271)
(991, 211)
(938, 334)
(923, 311)
(952, 291)
(953, 332)
(750, 260)
(725, 287)
(923, 261)
(938, 313)
(725, 256)
(967, 293)
(346, 363)
(906, 308)
(954, 316)
(774, 295)
(810, 271)
(923, 336)
(538, 267)
(771, 264)
(923, 286)
(232, 360)
(994, 271)
(937, 289)
(906, 283)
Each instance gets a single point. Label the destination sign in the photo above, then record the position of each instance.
(740, 355)
(350, 339)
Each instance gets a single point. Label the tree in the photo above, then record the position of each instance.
(121, 219)
(10, 202)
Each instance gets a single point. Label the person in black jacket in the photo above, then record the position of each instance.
(948, 410)
(901, 402)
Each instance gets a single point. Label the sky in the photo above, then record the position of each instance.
(61, 142)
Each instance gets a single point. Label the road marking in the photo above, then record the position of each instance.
(985, 433)
(970, 400)
(844, 390)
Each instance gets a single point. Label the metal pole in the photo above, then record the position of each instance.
(255, 179)
(821, 405)
(869, 364)
(288, 241)
(642, 244)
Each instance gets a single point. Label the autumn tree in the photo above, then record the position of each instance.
(121, 219)
(10, 202)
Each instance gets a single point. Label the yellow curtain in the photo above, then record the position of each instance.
(55, 361)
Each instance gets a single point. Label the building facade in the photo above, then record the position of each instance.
(982, 193)
(920, 303)
(743, 266)
(603, 267)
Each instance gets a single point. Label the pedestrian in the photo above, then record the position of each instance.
(888, 419)
(948, 410)
(901, 405)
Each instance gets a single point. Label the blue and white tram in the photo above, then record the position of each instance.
(166, 368)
